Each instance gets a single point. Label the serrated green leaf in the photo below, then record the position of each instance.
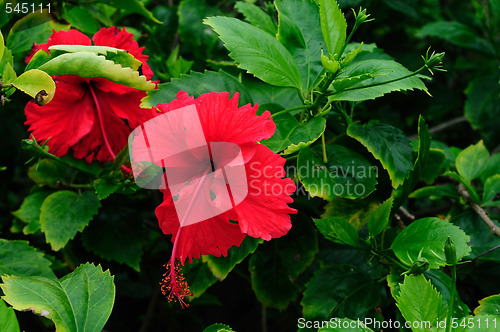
(275, 266)
(80, 301)
(116, 235)
(21, 260)
(30, 208)
(88, 64)
(426, 237)
(491, 191)
(256, 16)
(443, 284)
(471, 161)
(218, 328)
(379, 218)
(333, 26)
(419, 301)
(8, 319)
(118, 56)
(356, 211)
(489, 306)
(338, 285)
(64, 213)
(291, 136)
(221, 266)
(365, 88)
(197, 84)
(389, 145)
(37, 84)
(346, 174)
(105, 186)
(299, 30)
(257, 52)
(338, 230)
(48, 172)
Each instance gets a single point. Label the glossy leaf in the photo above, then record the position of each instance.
(389, 145)
(427, 236)
(79, 301)
(333, 26)
(492, 191)
(256, 16)
(346, 173)
(196, 84)
(218, 328)
(221, 266)
(338, 230)
(443, 284)
(8, 319)
(89, 64)
(21, 260)
(489, 306)
(478, 323)
(419, 301)
(64, 213)
(275, 266)
(370, 80)
(257, 52)
(378, 219)
(37, 84)
(471, 161)
(291, 136)
(299, 30)
(29, 212)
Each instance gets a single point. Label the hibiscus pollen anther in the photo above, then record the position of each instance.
(173, 285)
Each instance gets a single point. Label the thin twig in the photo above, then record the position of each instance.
(443, 126)
(406, 213)
(462, 191)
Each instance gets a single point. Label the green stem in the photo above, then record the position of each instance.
(389, 258)
(452, 297)
(288, 110)
(348, 39)
(325, 159)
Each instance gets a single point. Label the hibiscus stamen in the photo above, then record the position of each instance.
(173, 285)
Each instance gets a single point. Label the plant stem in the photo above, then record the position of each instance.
(325, 158)
(452, 297)
(462, 191)
(288, 110)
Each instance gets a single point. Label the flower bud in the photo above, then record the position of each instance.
(331, 65)
(450, 251)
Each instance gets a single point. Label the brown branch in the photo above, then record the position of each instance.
(462, 191)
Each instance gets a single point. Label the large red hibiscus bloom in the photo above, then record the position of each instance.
(261, 211)
(92, 116)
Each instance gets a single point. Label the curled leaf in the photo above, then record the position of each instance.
(37, 84)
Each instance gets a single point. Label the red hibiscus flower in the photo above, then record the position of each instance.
(257, 203)
(92, 116)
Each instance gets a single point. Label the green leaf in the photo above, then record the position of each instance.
(80, 301)
(7, 72)
(8, 319)
(29, 212)
(37, 84)
(256, 16)
(338, 230)
(221, 266)
(419, 301)
(275, 266)
(79, 18)
(379, 218)
(89, 64)
(389, 145)
(32, 28)
(257, 52)
(291, 136)
(299, 30)
(427, 236)
(443, 284)
(478, 323)
(199, 277)
(105, 186)
(488, 306)
(132, 6)
(2, 46)
(471, 161)
(64, 213)
(345, 325)
(372, 80)
(338, 285)
(265, 94)
(116, 235)
(346, 173)
(436, 192)
(218, 328)
(47, 172)
(197, 84)
(458, 34)
(356, 211)
(482, 106)
(21, 260)
(491, 191)
(333, 26)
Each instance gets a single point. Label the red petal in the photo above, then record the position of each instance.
(264, 213)
(66, 119)
(124, 40)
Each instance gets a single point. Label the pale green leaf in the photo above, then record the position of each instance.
(8, 319)
(38, 84)
(338, 230)
(489, 306)
(257, 52)
(333, 26)
(379, 218)
(21, 260)
(471, 161)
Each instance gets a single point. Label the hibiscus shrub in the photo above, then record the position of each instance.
(250, 166)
